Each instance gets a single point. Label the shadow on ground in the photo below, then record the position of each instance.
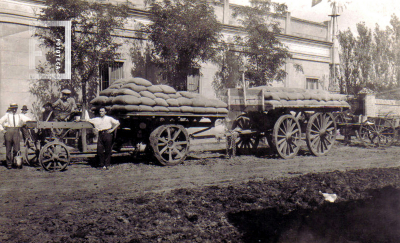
(375, 220)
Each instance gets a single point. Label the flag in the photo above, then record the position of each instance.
(315, 2)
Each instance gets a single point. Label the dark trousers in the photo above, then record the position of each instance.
(104, 148)
(12, 140)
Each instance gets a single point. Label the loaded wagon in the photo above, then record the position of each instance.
(154, 115)
(284, 116)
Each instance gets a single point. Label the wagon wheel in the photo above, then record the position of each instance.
(377, 132)
(54, 156)
(31, 153)
(286, 136)
(247, 142)
(170, 144)
(321, 133)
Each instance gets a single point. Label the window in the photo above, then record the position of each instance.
(312, 83)
(110, 73)
(193, 81)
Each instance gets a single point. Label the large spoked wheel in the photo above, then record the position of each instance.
(377, 132)
(247, 141)
(286, 136)
(31, 153)
(321, 133)
(170, 144)
(54, 156)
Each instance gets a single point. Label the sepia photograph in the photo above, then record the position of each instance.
(226, 121)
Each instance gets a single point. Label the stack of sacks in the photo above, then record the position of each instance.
(140, 95)
(296, 97)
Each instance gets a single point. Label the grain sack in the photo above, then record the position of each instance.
(147, 94)
(132, 108)
(160, 108)
(222, 111)
(118, 108)
(209, 103)
(322, 102)
(125, 91)
(219, 103)
(162, 95)
(134, 87)
(292, 102)
(211, 110)
(271, 96)
(147, 101)
(283, 95)
(187, 109)
(315, 96)
(307, 95)
(155, 89)
(189, 95)
(167, 89)
(146, 108)
(201, 110)
(308, 102)
(184, 101)
(199, 102)
(295, 96)
(107, 92)
(175, 96)
(142, 81)
(174, 109)
(109, 101)
(161, 102)
(336, 103)
(115, 86)
(300, 103)
(344, 103)
(284, 102)
(99, 100)
(172, 102)
(126, 100)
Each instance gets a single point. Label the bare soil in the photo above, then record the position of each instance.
(208, 198)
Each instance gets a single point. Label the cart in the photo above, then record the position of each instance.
(163, 133)
(283, 125)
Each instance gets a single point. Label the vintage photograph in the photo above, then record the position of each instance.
(273, 121)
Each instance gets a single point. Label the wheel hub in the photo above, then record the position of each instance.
(170, 143)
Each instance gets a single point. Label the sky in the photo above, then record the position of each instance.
(355, 11)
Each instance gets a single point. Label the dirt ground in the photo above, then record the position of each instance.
(208, 198)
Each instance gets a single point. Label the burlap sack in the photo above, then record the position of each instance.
(118, 108)
(222, 111)
(219, 103)
(134, 87)
(109, 101)
(161, 102)
(162, 95)
(199, 102)
(271, 96)
(201, 110)
(99, 100)
(292, 103)
(115, 86)
(187, 109)
(160, 109)
(173, 102)
(174, 109)
(175, 96)
(145, 108)
(283, 95)
(189, 95)
(184, 101)
(107, 92)
(273, 103)
(167, 89)
(211, 110)
(307, 95)
(155, 89)
(142, 81)
(147, 101)
(132, 108)
(147, 94)
(126, 91)
(126, 100)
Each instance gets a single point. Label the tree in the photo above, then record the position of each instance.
(363, 54)
(93, 39)
(184, 34)
(349, 70)
(264, 55)
(395, 46)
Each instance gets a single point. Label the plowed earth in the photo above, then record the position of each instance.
(209, 198)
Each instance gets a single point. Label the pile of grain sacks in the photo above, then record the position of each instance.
(140, 95)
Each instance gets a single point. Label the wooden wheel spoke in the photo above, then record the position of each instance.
(163, 150)
(176, 134)
(281, 141)
(181, 143)
(163, 140)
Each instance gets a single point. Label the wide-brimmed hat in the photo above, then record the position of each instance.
(14, 106)
(66, 91)
(24, 108)
(48, 104)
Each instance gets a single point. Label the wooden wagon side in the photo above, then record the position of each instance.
(281, 123)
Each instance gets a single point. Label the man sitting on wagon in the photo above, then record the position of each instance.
(64, 106)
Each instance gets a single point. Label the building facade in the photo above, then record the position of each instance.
(309, 43)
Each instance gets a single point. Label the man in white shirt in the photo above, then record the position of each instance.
(106, 126)
(11, 124)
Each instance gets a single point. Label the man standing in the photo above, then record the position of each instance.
(106, 126)
(65, 106)
(11, 124)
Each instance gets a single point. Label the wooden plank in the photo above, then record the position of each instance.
(67, 125)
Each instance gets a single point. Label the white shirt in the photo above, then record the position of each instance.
(13, 120)
(104, 123)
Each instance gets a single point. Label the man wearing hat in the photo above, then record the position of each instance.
(65, 106)
(11, 124)
(24, 130)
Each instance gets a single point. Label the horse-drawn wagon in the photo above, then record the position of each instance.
(284, 116)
